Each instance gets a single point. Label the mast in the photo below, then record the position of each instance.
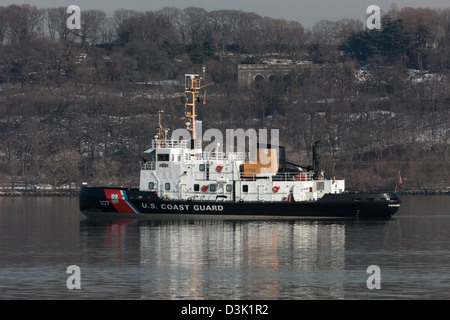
(161, 132)
(397, 183)
(159, 128)
(193, 83)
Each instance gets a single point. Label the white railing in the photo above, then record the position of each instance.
(179, 144)
(203, 175)
(236, 156)
(218, 156)
(283, 176)
(200, 157)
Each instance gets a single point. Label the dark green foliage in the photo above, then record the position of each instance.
(384, 46)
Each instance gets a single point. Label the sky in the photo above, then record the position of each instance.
(307, 12)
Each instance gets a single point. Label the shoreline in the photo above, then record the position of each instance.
(75, 193)
(33, 193)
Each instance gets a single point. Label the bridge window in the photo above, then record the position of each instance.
(151, 185)
(229, 188)
(163, 157)
(167, 186)
(213, 188)
(196, 187)
(201, 167)
(245, 188)
(320, 186)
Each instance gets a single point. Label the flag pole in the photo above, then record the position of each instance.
(396, 184)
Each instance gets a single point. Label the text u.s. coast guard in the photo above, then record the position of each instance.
(184, 207)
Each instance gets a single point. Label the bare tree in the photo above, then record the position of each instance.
(347, 27)
(91, 25)
(17, 18)
(193, 25)
(221, 29)
(3, 24)
(325, 33)
(119, 16)
(108, 31)
(56, 19)
(249, 35)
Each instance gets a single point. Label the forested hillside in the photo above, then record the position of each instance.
(80, 105)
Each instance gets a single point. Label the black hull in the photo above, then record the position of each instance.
(100, 202)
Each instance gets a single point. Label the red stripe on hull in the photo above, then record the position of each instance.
(117, 200)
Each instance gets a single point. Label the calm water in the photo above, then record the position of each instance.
(222, 259)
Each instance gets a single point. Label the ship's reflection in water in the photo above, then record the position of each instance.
(226, 259)
(222, 259)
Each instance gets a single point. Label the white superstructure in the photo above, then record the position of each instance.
(177, 172)
(181, 170)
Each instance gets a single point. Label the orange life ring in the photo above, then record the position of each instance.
(275, 189)
(204, 188)
(219, 168)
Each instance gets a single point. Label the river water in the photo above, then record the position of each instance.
(40, 237)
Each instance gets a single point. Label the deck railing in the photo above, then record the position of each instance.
(219, 156)
(283, 176)
(179, 144)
